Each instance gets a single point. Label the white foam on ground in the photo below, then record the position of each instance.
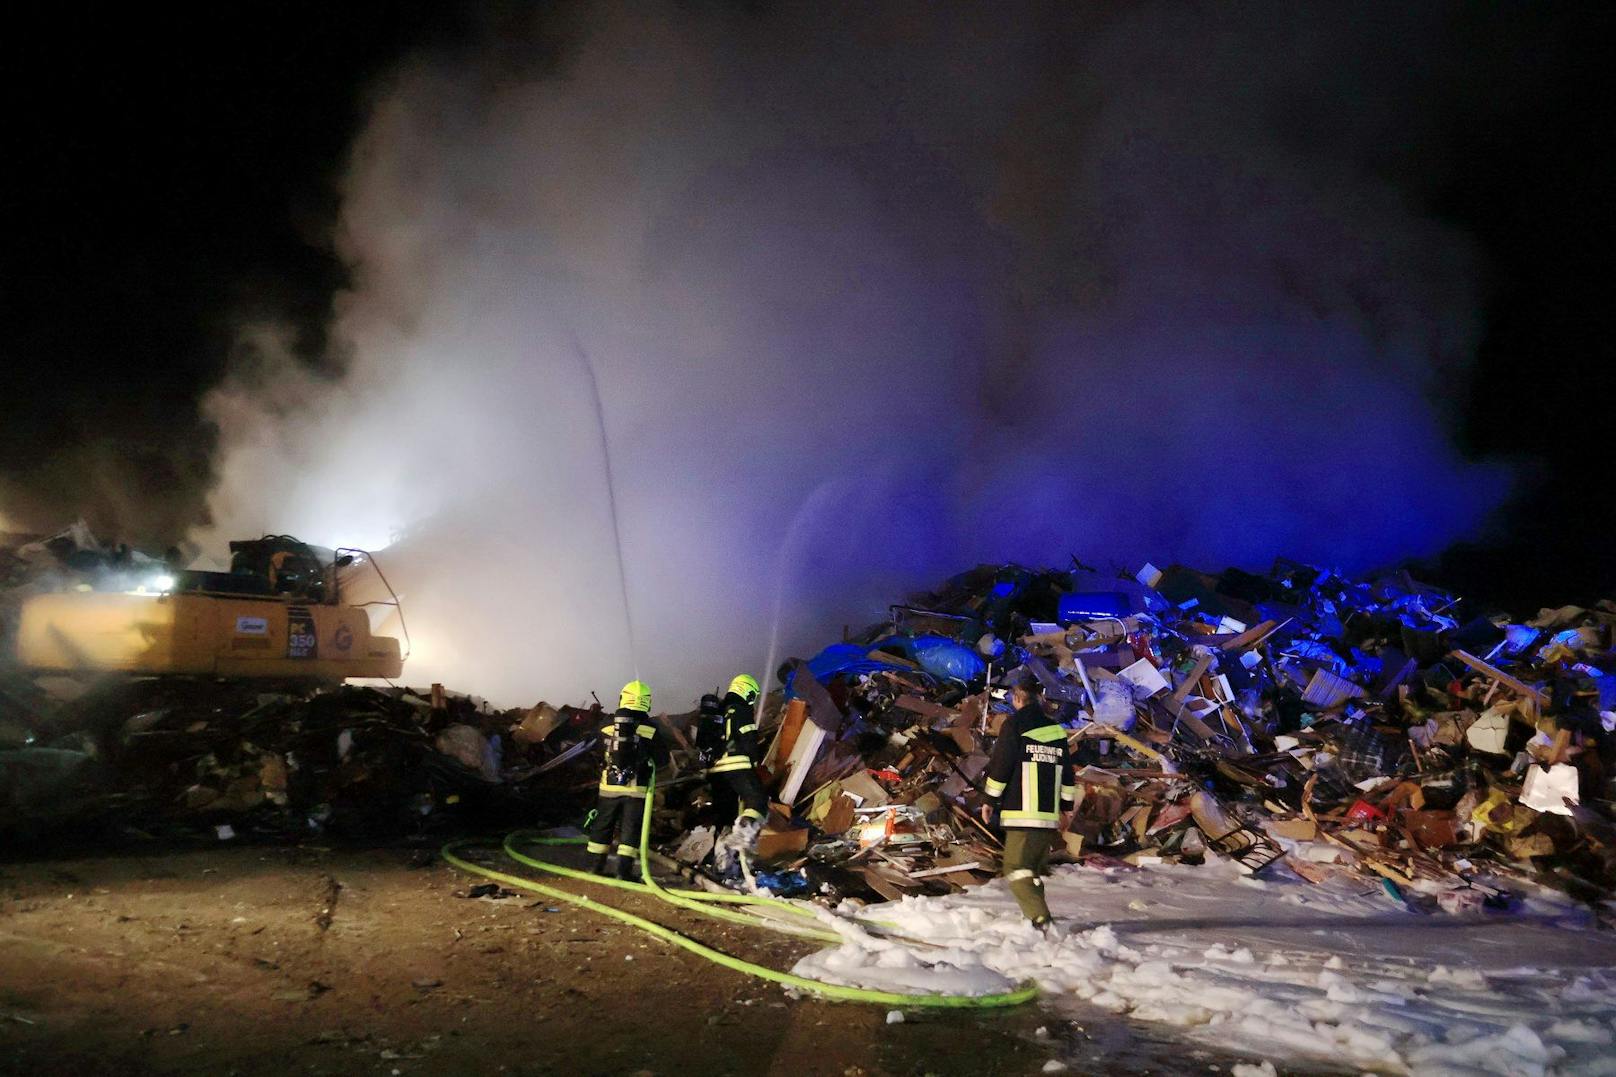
(1337, 974)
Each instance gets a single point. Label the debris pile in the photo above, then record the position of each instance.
(1294, 720)
(157, 757)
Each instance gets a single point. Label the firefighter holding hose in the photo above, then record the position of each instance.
(633, 744)
(728, 743)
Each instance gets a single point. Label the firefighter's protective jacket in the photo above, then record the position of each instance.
(633, 743)
(739, 736)
(1030, 774)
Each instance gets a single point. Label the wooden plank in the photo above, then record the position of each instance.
(1236, 728)
(1520, 687)
(965, 880)
(785, 741)
(1188, 683)
(1058, 640)
(881, 881)
(1253, 636)
(1098, 732)
(1186, 717)
(840, 817)
(925, 707)
(977, 823)
(970, 865)
(1562, 740)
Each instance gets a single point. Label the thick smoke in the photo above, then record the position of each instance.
(136, 490)
(870, 295)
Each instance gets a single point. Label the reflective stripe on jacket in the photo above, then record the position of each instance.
(740, 736)
(1030, 772)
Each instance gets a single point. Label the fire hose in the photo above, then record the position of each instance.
(701, 902)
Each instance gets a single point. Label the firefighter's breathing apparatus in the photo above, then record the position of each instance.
(704, 903)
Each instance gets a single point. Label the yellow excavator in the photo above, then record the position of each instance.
(276, 615)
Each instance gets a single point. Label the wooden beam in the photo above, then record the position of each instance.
(1186, 717)
(1538, 698)
(785, 737)
(1188, 683)
(1251, 637)
(925, 707)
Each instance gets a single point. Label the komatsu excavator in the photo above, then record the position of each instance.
(276, 615)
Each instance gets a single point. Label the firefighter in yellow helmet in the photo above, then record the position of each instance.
(633, 743)
(728, 744)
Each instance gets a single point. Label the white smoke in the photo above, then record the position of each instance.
(869, 297)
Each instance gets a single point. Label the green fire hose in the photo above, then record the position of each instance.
(698, 901)
(689, 899)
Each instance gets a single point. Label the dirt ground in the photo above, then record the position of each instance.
(242, 960)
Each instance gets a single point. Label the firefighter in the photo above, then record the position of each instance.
(633, 743)
(1031, 786)
(732, 758)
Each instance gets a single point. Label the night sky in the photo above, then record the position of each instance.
(168, 176)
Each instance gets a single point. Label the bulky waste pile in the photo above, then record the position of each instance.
(137, 758)
(1291, 721)
(223, 760)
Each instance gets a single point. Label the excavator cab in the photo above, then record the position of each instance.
(289, 567)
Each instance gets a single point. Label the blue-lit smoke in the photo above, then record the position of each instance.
(1125, 285)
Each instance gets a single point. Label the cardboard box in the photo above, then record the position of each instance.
(773, 843)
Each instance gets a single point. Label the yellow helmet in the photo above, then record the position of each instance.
(636, 696)
(745, 686)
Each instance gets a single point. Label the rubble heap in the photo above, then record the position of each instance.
(1293, 721)
(172, 758)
